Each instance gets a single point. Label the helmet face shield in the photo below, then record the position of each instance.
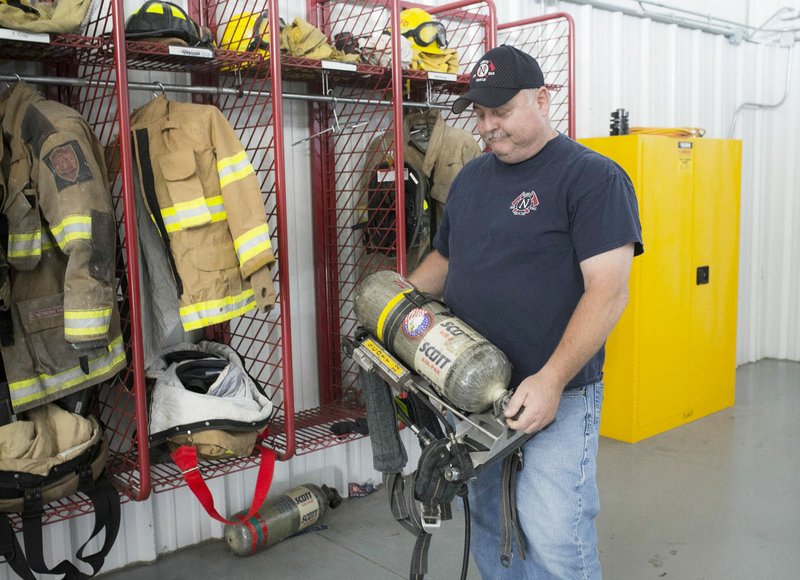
(427, 33)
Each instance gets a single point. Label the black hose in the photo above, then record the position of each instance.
(465, 560)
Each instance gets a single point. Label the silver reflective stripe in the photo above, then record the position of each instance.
(25, 391)
(184, 214)
(86, 322)
(217, 207)
(244, 250)
(72, 229)
(214, 311)
(24, 245)
(170, 220)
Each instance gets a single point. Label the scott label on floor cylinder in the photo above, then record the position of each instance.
(280, 517)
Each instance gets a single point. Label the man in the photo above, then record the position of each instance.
(534, 251)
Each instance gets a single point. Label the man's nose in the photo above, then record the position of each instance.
(490, 123)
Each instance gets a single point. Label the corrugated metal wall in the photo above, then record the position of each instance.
(665, 76)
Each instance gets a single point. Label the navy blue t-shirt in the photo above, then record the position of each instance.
(515, 235)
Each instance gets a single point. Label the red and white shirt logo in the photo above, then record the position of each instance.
(524, 203)
(484, 71)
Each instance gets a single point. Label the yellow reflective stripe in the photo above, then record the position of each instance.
(43, 385)
(217, 208)
(392, 303)
(156, 8)
(195, 203)
(192, 213)
(198, 212)
(231, 160)
(84, 314)
(37, 235)
(25, 245)
(177, 13)
(264, 246)
(210, 312)
(252, 243)
(76, 227)
(83, 323)
(233, 168)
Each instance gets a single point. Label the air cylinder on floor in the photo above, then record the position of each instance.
(463, 366)
(280, 517)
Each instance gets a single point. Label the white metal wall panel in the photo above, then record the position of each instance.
(665, 76)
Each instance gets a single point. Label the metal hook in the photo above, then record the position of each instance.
(428, 95)
(160, 86)
(337, 127)
(239, 84)
(8, 83)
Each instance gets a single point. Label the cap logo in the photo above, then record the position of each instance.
(484, 71)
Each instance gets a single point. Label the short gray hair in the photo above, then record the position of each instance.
(531, 95)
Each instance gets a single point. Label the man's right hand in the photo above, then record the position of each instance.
(430, 275)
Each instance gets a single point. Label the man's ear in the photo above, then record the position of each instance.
(543, 100)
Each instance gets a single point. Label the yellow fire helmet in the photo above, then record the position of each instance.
(425, 33)
(248, 31)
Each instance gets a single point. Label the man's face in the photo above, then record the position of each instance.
(517, 130)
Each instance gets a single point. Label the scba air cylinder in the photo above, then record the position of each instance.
(462, 365)
(280, 517)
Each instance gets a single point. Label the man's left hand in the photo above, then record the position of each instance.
(538, 397)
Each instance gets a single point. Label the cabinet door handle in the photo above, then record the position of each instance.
(702, 275)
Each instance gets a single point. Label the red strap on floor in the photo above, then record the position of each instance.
(185, 457)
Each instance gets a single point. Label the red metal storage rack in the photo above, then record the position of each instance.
(244, 86)
(84, 71)
(88, 71)
(338, 159)
(550, 39)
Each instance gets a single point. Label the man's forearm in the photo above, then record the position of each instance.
(430, 275)
(595, 315)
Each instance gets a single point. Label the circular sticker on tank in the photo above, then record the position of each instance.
(416, 322)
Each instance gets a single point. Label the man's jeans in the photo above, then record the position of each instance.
(557, 499)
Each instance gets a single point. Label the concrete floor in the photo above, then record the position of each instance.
(715, 499)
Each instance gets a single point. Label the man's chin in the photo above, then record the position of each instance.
(500, 151)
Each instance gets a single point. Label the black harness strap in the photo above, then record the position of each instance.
(107, 515)
(11, 551)
(508, 509)
(419, 560)
(32, 534)
(407, 517)
(106, 506)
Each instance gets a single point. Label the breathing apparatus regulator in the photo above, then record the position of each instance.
(418, 358)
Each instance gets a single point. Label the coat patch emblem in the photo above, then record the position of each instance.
(524, 203)
(68, 165)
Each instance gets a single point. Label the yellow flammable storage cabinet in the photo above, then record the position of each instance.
(672, 357)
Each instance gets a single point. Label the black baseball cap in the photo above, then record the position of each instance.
(499, 75)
